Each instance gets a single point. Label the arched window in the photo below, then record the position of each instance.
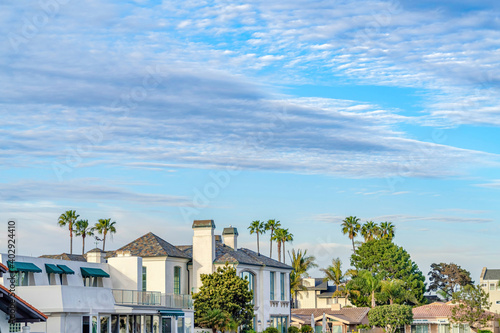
(246, 275)
(177, 280)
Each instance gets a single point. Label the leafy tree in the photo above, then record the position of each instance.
(215, 319)
(68, 218)
(390, 317)
(301, 263)
(225, 291)
(258, 228)
(103, 227)
(272, 225)
(387, 230)
(271, 330)
(306, 329)
(447, 278)
(472, 303)
(370, 231)
(293, 329)
(334, 273)
(394, 291)
(388, 261)
(82, 228)
(350, 226)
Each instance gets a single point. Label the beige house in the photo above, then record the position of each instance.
(319, 295)
(489, 281)
(338, 319)
(434, 318)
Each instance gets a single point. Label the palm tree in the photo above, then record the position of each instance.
(257, 227)
(301, 263)
(369, 230)
(372, 284)
(279, 236)
(334, 273)
(215, 319)
(67, 219)
(272, 225)
(396, 291)
(288, 238)
(350, 226)
(387, 230)
(82, 229)
(103, 227)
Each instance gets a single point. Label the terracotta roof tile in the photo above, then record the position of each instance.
(434, 310)
(353, 315)
(3, 268)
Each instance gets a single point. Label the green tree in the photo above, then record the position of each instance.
(472, 303)
(350, 226)
(306, 329)
(447, 278)
(272, 225)
(215, 319)
(257, 227)
(82, 228)
(394, 291)
(227, 292)
(388, 261)
(279, 236)
(390, 317)
(301, 263)
(68, 218)
(387, 230)
(334, 273)
(370, 231)
(103, 227)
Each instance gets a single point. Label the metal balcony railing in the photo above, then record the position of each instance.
(136, 297)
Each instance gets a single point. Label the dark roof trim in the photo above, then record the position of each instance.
(230, 231)
(203, 224)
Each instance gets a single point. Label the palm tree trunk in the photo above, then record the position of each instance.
(353, 248)
(279, 251)
(391, 301)
(83, 244)
(284, 256)
(337, 295)
(258, 249)
(373, 299)
(271, 247)
(103, 242)
(70, 238)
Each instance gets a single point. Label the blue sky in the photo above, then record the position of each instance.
(155, 113)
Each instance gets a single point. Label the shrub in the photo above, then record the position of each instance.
(271, 330)
(483, 331)
(293, 329)
(306, 329)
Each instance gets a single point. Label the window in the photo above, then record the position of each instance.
(104, 324)
(271, 278)
(492, 286)
(497, 302)
(21, 278)
(280, 323)
(144, 278)
(245, 275)
(86, 324)
(329, 301)
(419, 328)
(15, 327)
(177, 280)
(180, 325)
(460, 328)
(443, 328)
(114, 324)
(92, 281)
(282, 286)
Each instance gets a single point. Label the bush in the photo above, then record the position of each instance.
(293, 329)
(363, 327)
(271, 330)
(483, 331)
(306, 329)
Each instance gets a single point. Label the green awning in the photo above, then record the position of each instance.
(18, 266)
(51, 268)
(65, 269)
(171, 313)
(95, 272)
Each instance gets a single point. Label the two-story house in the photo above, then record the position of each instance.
(490, 282)
(318, 295)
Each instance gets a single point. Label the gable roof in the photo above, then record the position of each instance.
(224, 253)
(435, 310)
(347, 315)
(25, 312)
(151, 245)
(492, 274)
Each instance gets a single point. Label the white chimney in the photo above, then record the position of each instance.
(96, 255)
(230, 236)
(203, 250)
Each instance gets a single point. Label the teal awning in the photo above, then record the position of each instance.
(18, 266)
(65, 269)
(95, 272)
(51, 268)
(171, 313)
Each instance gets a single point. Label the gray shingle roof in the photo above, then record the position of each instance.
(151, 245)
(492, 274)
(65, 256)
(224, 253)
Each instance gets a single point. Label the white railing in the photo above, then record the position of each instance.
(136, 297)
(177, 301)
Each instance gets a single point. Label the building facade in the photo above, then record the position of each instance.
(490, 282)
(318, 295)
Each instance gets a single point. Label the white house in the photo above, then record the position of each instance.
(269, 279)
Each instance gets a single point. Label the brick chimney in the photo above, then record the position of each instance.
(230, 236)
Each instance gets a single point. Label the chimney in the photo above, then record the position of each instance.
(218, 239)
(230, 236)
(336, 306)
(203, 250)
(95, 255)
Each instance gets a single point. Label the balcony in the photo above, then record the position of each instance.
(177, 301)
(154, 298)
(136, 297)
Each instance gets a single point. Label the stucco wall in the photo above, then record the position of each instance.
(126, 272)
